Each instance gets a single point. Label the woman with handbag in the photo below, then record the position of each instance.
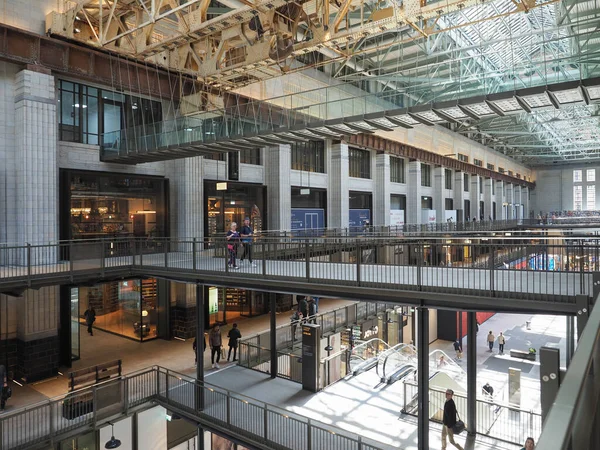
(450, 422)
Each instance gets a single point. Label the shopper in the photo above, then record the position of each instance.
(233, 239)
(195, 347)
(458, 349)
(90, 318)
(488, 391)
(215, 341)
(303, 305)
(529, 444)
(233, 335)
(501, 342)
(247, 234)
(449, 420)
(312, 310)
(491, 338)
(295, 319)
(5, 391)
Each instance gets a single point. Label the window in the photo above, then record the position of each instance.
(448, 178)
(577, 198)
(501, 170)
(577, 176)
(466, 182)
(309, 156)
(448, 204)
(463, 158)
(493, 187)
(591, 197)
(425, 175)
(86, 112)
(397, 170)
(491, 167)
(478, 162)
(590, 175)
(250, 156)
(480, 181)
(360, 163)
(518, 175)
(510, 173)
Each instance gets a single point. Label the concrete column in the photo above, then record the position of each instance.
(338, 193)
(278, 164)
(525, 201)
(500, 199)
(518, 202)
(413, 197)
(37, 334)
(423, 377)
(438, 193)
(510, 200)
(459, 194)
(381, 214)
(475, 196)
(36, 161)
(187, 184)
(487, 198)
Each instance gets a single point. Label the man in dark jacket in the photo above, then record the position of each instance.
(233, 335)
(449, 420)
(90, 318)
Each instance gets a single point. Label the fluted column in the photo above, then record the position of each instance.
(439, 184)
(338, 193)
(278, 165)
(413, 200)
(487, 198)
(459, 195)
(188, 184)
(382, 190)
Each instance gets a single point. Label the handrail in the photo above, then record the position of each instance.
(574, 414)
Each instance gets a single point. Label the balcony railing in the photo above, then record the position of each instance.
(236, 415)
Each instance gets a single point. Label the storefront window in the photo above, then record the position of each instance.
(127, 308)
(102, 205)
(239, 201)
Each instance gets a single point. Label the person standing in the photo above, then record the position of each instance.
(458, 349)
(501, 342)
(491, 338)
(247, 234)
(529, 444)
(90, 318)
(215, 341)
(233, 238)
(195, 347)
(233, 335)
(312, 311)
(295, 319)
(449, 420)
(303, 305)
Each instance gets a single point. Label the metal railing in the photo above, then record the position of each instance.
(239, 416)
(539, 268)
(573, 422)
(494, 419)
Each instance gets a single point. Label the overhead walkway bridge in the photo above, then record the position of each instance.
(515, 274)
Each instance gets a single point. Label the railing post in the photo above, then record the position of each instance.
(70, 260)
(309, 435)
(419, 255)
(51, 424)
(126, 394)
(492, 267)
(167, 386)
(228, 407)
(358, 262)
(226, 248)
(102, 257)
(266, 420)
(166, 253)
(28, 264)
(307, 258)
(264, 258)
(194, 255)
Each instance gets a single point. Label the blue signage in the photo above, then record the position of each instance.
(308, 219)
(359, 218)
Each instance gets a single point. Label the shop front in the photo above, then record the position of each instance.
(102, 205)
(225, 305)
(229, 202)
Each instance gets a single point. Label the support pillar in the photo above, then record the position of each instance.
(273, 333)
(439, 197)
(570, 339)
(488, 201)
(475, 197)
(500, 200)
(525, 201)
(200, 331)
(510, 209)
(381, 214)
(423, 377)
(187, 212)
(278, 164)
(338, 194)
(36, 162)
(413, 198)
(472, 373)
(459, 196)
(518, 202)
(549, 378)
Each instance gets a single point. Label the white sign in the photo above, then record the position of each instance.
(450, 214)
(396, 217)
(428, 216)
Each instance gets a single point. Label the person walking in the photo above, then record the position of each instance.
(449, 421)
(195, 348)
(491, 338)
(458, 349)
(295, 319)
(303, 305)
(90, 318)
(312, 310)
(233, 335)
(233, 238)
(529, 444)
(247, 234)
(215, 341)
(501, 342)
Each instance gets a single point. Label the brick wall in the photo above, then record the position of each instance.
(37, 359)
(183, 322)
